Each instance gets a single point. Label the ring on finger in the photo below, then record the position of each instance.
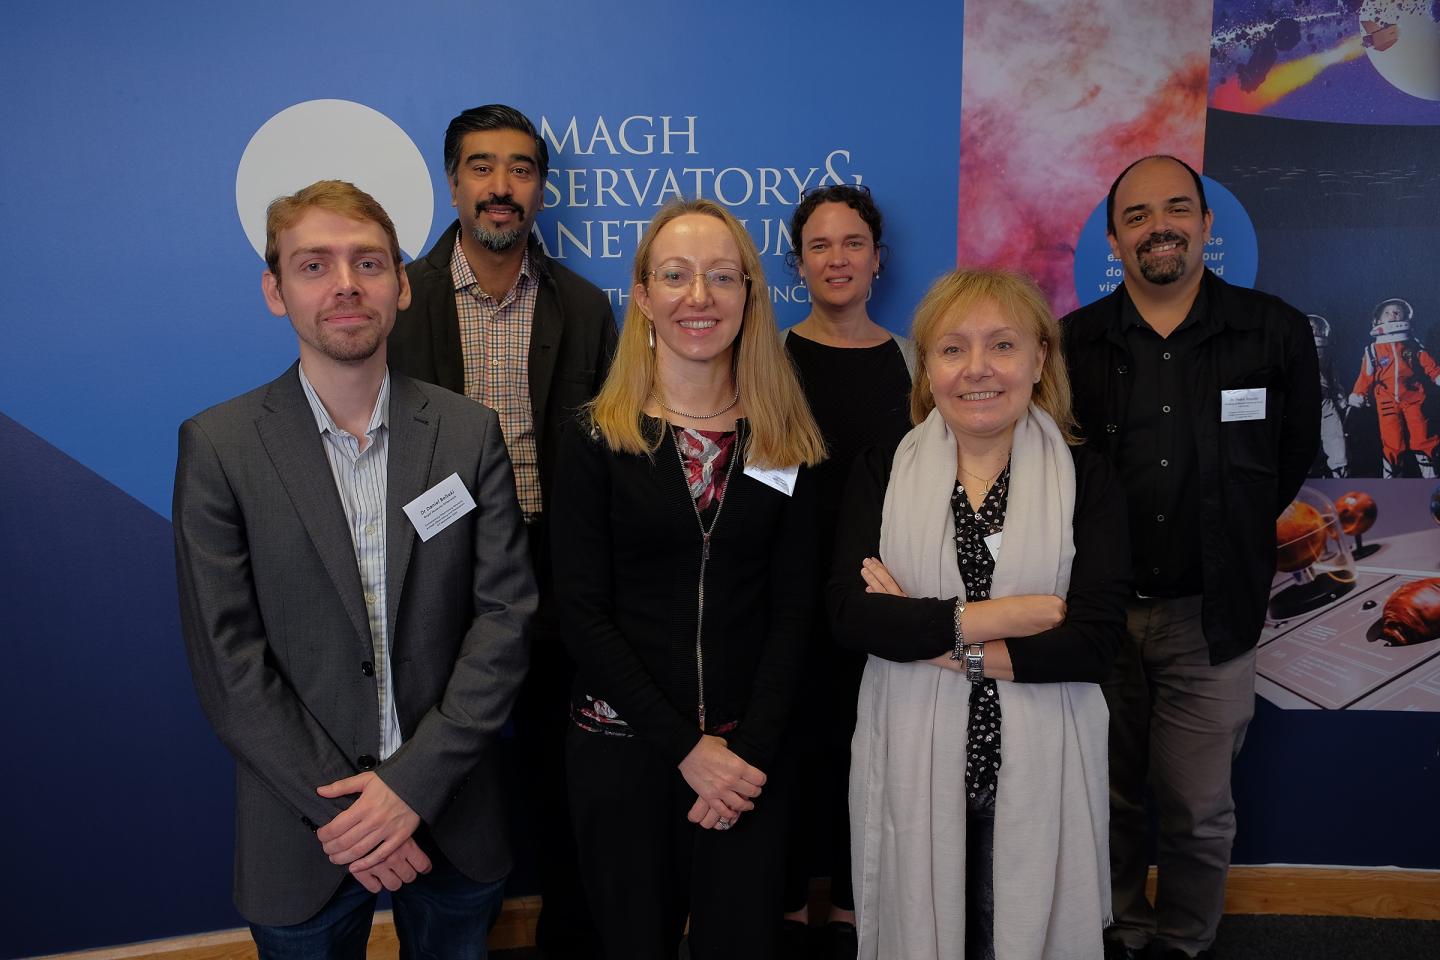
(722, 824)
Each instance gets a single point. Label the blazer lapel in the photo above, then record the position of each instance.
(413, 433)
(442, 314)
(545, 329)
(297, 452)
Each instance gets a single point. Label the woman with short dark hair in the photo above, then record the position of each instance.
(856, 376)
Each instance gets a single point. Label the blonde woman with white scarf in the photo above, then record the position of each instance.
(984, 567)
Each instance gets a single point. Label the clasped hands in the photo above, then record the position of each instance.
(725, 786)
(375, 836)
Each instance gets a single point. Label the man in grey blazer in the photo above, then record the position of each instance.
(356, 631)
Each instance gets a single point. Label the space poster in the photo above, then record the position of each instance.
(1316, 126)
(1324, 123)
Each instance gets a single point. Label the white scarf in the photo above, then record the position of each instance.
(907, 776)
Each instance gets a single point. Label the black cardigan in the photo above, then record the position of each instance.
(913, 628)
(626, 552)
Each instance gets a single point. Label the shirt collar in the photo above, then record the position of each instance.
(464, 277)
(1130, 315)
(379, 417)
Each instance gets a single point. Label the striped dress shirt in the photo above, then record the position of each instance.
(361, 479)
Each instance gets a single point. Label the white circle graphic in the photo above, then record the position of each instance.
(335, 140)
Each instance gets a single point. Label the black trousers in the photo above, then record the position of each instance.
(646, 867)
(822, 724)
(980, 883)
(564, 930)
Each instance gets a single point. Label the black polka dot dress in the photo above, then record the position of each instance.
(977, 570)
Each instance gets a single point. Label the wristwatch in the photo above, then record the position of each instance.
(975, 662)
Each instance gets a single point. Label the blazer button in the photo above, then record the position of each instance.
(1122, 369)
(367, 668)
(1111, 428)
(365, 762)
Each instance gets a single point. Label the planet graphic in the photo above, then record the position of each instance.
(1412, 614)
(1299, 537)
(1404, 44)
(335, 139)
(1356, 511)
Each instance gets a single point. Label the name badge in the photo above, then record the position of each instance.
(440, 506)
(1242, 404)
(992, 543)
(782, 479)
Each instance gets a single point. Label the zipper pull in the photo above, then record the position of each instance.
(702, 718)
(705, 547)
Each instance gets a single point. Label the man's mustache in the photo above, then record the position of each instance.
(499, 202)
(1169, 236)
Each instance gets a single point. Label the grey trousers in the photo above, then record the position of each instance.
(1176, 725)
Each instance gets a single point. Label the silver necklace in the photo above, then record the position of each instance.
(697, 416)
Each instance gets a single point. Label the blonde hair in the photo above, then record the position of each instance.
(783, 433)
(1021, 302)
(334, 196)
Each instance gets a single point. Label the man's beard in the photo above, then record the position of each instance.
(1166, 269)
(497, 241)
(352, 346)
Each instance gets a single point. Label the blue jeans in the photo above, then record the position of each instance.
(441, 914)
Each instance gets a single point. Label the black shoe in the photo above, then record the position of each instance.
(1116, 950)
(794, 940)
(841, 942)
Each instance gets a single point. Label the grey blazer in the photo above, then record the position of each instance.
(279, 644)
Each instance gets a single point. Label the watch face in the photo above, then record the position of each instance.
(975, 662)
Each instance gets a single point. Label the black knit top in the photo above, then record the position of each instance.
(627, 555)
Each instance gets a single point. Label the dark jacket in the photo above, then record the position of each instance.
(571, 341)
(627, 548)
(1249, 470)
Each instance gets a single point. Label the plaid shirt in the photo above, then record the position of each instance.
(495, 343)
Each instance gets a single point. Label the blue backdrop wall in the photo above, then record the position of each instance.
(134, 301)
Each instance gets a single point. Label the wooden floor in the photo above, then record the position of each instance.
(1298, 891)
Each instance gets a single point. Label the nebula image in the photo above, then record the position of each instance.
(1047, 124)
(1352, 61)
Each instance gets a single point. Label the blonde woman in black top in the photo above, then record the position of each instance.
(983, 565)
(684, 550)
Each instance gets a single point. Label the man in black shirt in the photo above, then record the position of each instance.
(1206, 398)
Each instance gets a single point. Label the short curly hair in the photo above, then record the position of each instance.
(855, 196)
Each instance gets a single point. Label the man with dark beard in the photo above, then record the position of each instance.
(493, 318)
(1206, 397)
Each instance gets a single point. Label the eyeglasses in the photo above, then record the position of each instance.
(722, 281)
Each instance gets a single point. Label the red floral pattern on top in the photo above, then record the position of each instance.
(706, 455)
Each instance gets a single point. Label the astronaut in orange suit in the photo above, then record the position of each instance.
(1393, 372)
